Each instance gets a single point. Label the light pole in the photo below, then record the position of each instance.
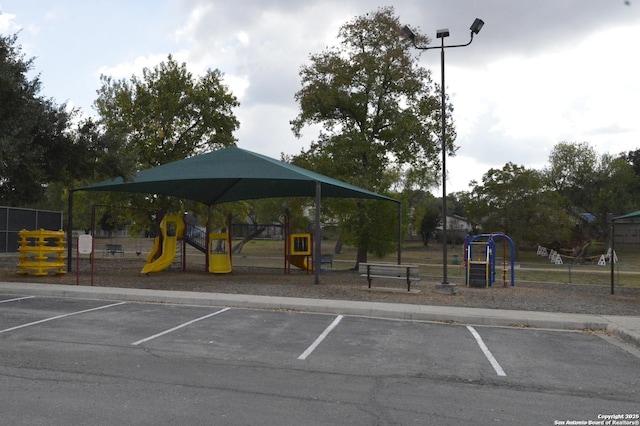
(442, 34)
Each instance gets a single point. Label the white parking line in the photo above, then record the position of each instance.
(60, 316)
(320, 338)
(487, 352)
(146, 339)
(16, 299)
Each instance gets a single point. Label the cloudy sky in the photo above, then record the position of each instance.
(540, 71)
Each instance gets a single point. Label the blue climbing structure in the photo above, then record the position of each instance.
(480, 259)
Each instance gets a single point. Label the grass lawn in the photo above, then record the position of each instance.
(528, 267)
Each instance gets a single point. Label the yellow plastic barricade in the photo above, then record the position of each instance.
(41, 251)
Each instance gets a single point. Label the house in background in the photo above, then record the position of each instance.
(457, 228)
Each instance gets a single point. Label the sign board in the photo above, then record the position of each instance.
(85, 244)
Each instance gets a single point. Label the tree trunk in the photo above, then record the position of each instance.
(337, 249)
(362, 247)
(237, 249)
(361, 257)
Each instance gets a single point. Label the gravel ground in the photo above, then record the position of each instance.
(346, 285)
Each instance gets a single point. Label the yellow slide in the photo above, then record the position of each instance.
(172, 228)
(166, 257)
(300, 251)
(301, 262)
(155, 251)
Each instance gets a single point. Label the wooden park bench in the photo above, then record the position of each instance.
(408, 273)
(113, 249)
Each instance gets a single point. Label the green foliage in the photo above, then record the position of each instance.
(431, 219)
(167, 114)
(548, 205)
(36, 147)
(372, 225)
(380, 119)
(43, 154)
(590, 183)
(633, 158)
(274, 210)
(423, 213)
(571, 167)
(513, 200)
(614, 190)
(104, 151)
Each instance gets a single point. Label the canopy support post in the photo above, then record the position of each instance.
(70, 232)
(206, 240)
(613, 250)
(318, 240)
(399, 233)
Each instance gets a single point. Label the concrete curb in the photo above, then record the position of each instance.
(627, 328)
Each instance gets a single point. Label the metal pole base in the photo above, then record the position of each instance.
(451, 289)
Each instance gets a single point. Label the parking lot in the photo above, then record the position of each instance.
(82, 361)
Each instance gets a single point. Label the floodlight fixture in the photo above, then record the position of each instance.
(442, 33)
(476, 26)
(409, 33)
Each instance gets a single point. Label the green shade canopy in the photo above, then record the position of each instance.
(628, 215)
(232, 174)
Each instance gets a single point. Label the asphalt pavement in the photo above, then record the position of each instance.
(625, 327)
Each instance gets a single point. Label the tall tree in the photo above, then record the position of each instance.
(36, 146)
(431, 218)
(514, 200)
(571, 168)
(614, 190)
(633, 158)
(380, 120)
(166, 115)
(591, 183)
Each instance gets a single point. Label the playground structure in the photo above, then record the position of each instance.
(217, 246)
(164, 246)
(41, 251)
(174, 233)
(298, 248)
(299, 252)
(480, 259)
(219, 253)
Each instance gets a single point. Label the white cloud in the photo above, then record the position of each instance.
(7, 23)
(516, 108)
(127, 69)
(538, 73)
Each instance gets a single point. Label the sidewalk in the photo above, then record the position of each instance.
(625, 327)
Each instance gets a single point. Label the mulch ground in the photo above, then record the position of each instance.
(346, 285)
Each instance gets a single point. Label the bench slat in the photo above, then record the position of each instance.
(391, 277)
(391, 272)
